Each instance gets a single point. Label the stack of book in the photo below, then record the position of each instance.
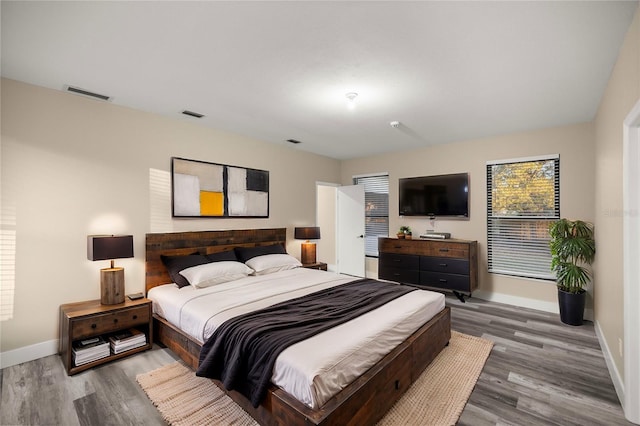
(126, 340)
(89, 350)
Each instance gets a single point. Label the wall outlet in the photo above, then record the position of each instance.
(620, 347)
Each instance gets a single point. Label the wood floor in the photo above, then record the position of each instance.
(540, 372)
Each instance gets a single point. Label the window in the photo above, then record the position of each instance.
(523, 198)
(376, 210)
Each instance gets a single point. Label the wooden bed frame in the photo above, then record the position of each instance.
(363, 402)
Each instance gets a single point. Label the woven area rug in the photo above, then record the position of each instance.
(436, 398)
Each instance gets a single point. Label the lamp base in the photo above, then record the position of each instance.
(111, 286)
(308, 253)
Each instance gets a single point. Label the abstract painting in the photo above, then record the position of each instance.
(203, 189)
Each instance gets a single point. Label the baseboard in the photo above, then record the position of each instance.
(525, 302)
(28, 353)
(618, 383)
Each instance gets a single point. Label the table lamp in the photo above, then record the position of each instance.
(110, 247)
(308, 249)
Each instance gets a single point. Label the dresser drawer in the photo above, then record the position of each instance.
(447, 249)
(108, 322)
(445, 281)
(408, 276)
(399, 260)
(444, 264)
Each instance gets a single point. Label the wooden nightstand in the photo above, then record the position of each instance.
(318, 265)
(86, 320)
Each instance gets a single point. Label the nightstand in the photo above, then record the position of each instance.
(318, 265)
(84, 321)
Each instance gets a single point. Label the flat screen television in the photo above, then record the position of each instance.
(435, 196)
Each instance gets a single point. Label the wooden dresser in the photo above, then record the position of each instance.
(439, 264)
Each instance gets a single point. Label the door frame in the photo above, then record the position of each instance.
(631, 249)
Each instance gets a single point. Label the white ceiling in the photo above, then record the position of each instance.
(448, 71)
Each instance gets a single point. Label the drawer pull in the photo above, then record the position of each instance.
(396, 274)
(443, 250)
(444, 265)
(93, 325)
(115, 320)
(397, 260)
(398, 247)
(442, 280)
(135, 317)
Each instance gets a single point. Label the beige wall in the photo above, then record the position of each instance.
(326, 219)
(73, 166)
(622, 93)
(575, 144)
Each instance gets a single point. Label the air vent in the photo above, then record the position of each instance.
(293, 141)
(193, 114)
(83, 92)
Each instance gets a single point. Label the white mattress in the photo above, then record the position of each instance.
(315, 369)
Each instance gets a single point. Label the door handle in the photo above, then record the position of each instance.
(360, 236)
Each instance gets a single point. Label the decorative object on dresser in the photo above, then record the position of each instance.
(203, 189)
(445, 265)
(573, 248)
(404, 232)
(308, 249)
(110, 247)
(86, 329)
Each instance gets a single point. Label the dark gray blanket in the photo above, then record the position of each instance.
(241, 353)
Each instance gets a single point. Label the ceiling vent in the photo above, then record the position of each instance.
(293, 141)
(83, 92)
(192, 114)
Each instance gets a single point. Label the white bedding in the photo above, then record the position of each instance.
(315, 369)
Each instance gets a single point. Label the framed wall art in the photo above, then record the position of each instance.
(203, 189)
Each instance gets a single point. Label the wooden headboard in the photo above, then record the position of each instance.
(203, 242)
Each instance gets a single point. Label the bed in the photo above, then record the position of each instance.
(363, 401)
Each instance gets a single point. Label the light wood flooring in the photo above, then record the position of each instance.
(540, 372)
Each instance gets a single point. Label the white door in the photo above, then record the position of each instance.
(350, 232)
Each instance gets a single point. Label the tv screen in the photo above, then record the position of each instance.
(435, 196)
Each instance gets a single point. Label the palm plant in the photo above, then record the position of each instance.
(572, 248)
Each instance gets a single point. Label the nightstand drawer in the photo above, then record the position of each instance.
(108, 322)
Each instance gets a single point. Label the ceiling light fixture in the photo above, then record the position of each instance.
(394, 124)
(351, 99)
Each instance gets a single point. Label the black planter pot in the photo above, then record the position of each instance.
(571, 307)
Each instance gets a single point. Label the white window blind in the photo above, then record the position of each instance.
(523, 198)
(376, 211)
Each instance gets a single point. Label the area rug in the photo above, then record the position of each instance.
(436, 398)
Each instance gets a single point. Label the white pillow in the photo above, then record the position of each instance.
(213, 273)
(269, 263)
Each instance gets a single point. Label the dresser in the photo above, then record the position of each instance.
(449, 264)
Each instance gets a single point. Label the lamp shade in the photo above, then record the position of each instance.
(109, 247)
(307, 233)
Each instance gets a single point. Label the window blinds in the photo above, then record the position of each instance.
(376, 211)
(523, 198)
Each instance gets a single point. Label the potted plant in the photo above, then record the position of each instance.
(405, 232)
(573, 248)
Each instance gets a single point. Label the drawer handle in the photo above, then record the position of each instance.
(442, 280)
(135, 317)
(93, 325)
(444, 265)
(444, 250)
(398, 247)
(115, 320)
(397, 260)
(396, 274)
